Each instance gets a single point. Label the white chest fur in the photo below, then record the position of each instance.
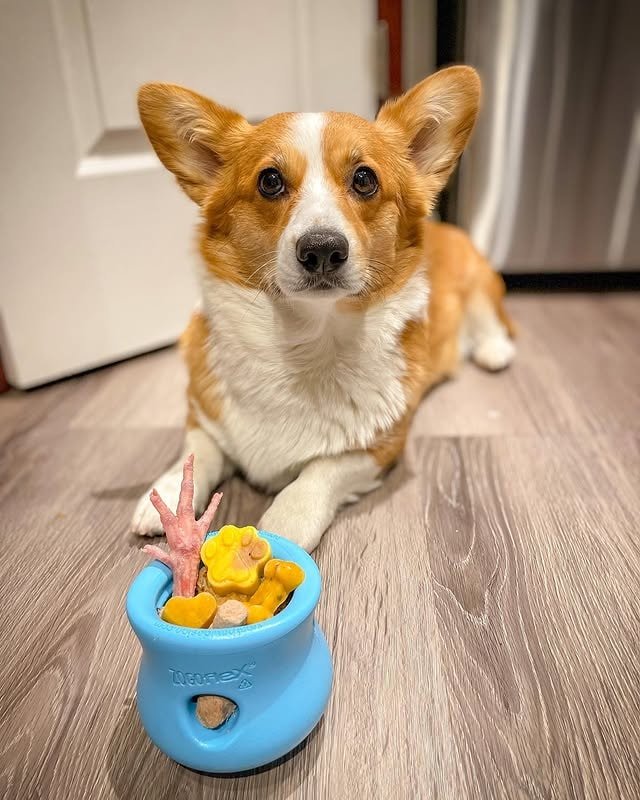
(299, 381)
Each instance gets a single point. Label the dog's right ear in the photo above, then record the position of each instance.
(191, 134)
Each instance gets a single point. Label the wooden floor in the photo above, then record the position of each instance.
(483, 607)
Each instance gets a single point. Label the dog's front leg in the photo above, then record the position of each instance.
(305, 508)
(210, 467)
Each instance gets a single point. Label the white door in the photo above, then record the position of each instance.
(96, 244)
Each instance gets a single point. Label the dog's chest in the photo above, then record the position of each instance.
(297, 384)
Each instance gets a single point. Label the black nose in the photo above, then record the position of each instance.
(322, 251)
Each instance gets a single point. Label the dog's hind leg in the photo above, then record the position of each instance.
(487, 331)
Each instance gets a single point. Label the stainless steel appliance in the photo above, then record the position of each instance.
(551, 180)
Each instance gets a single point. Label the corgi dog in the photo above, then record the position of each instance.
(330, 305)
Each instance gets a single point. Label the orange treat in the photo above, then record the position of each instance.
(235, 560)
(190, 612)
(280, 579)
(203, 586)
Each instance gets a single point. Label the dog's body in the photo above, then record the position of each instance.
(328, 307)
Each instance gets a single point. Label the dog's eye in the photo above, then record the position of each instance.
(365, 181)
(270, 182)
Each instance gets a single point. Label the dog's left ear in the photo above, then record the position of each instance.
(435, 119)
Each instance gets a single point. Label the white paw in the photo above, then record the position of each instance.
(145, 520)
(362, 487)
(294, 515)
(305, 531)
(494, 353)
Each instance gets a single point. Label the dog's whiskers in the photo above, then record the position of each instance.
(266, 263)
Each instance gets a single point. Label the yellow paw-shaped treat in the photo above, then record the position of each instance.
(280, 579)
(235, 559)
(190, 612)
(203, 586)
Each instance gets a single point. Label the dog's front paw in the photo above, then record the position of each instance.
(146, 520)
(298, 516)
(305, 531)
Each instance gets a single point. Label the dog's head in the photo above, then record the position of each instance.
(314, 206)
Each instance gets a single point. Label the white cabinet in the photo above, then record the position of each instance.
(96, 243)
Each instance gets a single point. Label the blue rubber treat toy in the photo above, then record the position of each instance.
(235, 676)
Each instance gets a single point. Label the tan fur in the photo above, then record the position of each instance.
(458, 274)
(216, 156)
(413, 146)
(202, 392)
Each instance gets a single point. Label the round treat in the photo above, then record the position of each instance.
(213, 710)
(231, 614)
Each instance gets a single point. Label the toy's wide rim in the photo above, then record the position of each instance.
(145, 592)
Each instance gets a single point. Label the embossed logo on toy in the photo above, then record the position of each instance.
(242, 675)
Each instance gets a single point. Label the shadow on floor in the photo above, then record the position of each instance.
(137, 769)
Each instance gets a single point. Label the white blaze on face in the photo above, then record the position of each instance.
(316, 206)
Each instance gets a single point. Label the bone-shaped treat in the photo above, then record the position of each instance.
(280, 579)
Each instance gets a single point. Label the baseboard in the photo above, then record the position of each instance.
(627, 281)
